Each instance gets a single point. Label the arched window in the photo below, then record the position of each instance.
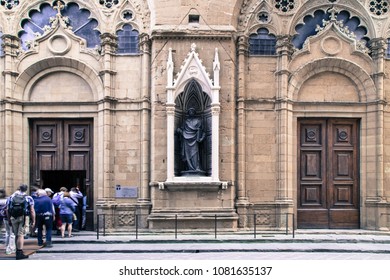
(262, 43)
(128, 40)
(388, 48)
(82, 24)
(40, 20)
(310, 23)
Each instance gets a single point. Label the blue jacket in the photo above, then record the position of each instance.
(43, 206)
(67, 206)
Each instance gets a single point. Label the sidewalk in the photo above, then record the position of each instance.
(356, 241)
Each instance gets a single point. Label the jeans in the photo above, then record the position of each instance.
(46, 221)
(9, 238)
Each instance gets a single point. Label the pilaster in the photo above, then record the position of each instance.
(284, 118)
(107, 114)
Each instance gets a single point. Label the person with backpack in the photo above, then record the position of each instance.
(9, 235)
(19, 206)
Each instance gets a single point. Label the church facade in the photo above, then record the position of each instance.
(247, 113)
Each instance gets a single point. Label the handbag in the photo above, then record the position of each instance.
(74, 217)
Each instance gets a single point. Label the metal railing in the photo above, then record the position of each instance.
(101, 223)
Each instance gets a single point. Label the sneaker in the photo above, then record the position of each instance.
(8, 252)
(49, 245)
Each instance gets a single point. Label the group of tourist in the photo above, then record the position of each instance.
(40, 212)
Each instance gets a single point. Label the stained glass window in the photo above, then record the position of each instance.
(262, 43)
(83, 25)
(310, 22)
(128, 40)
(388, 48)
(79, 19)
(34, 25)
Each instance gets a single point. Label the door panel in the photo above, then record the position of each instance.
(343, 178)
(312, 209)
(328, 179)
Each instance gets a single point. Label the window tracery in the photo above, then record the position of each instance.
(109, 3)
(313, 23)
(263, 17)
(379, 7)
(9, 4)
(285, 5)
(39, 21)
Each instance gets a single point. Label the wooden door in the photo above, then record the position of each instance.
(58, 147)
(328, 182)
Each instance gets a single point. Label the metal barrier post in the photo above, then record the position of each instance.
(293, 217)
(215, 226)
(136, 226)
(104, 224)
(97, 225)
(176, 226)
(254, 225)
(286, 223)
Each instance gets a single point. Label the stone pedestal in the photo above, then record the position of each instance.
(193, 205)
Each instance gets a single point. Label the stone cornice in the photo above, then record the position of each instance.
(192, 33)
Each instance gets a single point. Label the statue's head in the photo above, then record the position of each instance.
(191, 112)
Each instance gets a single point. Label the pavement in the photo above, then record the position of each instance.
(303, 241)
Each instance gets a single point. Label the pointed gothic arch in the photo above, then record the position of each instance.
(194, 97)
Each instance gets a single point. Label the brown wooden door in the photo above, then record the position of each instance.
(328, 183)
(61, 154)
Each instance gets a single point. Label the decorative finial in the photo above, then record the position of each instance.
(333, 14)
(59, 6)
(193, 47)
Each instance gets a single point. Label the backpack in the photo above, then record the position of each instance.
(18, 205)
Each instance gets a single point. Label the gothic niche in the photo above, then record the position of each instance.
(193, 131)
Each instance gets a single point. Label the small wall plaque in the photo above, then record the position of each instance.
(126, 192)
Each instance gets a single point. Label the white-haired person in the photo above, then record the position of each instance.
(44, 211)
